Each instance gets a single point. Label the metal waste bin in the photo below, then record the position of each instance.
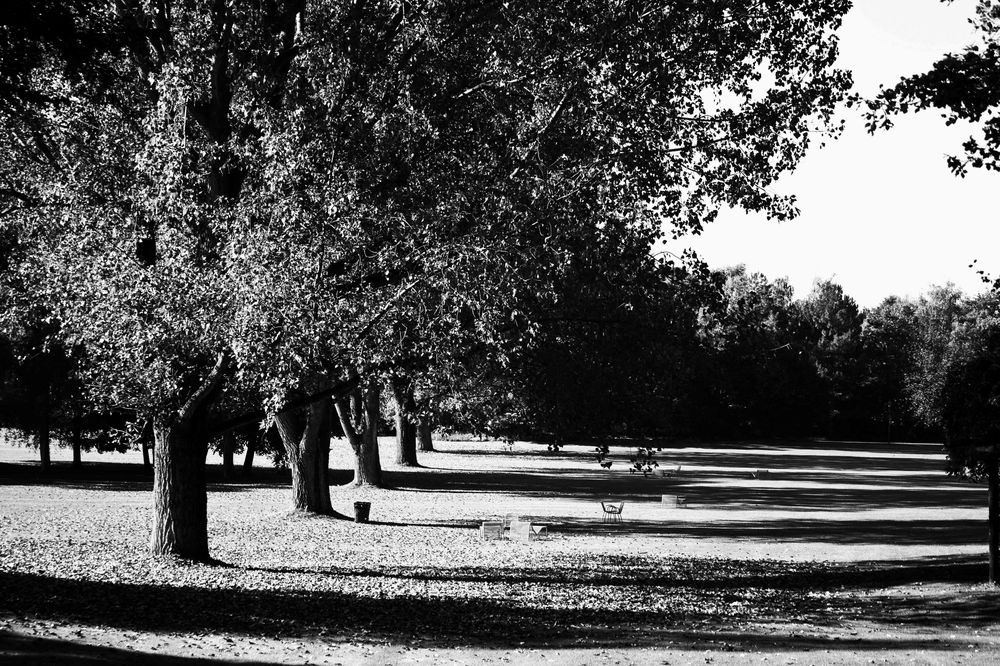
(361, 511)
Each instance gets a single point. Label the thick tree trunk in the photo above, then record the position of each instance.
(302, 436)
(406, 431)
(425, 431)
(248, 458)
(367, 466)
(180, 500)
(228, 446)
(359, 421)
(993, 478)
(75, 438)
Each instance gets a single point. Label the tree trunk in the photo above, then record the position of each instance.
(228, 445)
(248, 458)
(180, 499)
(75, 437)
(370, 451)
(302, 436)
(425, 432)
(146, 464)
(406, 431)
(42, 432)
(359, 421)
(993, 477)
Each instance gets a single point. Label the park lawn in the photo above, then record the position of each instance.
(843, 552)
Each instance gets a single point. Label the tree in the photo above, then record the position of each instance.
(937, 314)
(759, 377)
(834, 329)
(889, 344)
(359, 416)
(969, 404)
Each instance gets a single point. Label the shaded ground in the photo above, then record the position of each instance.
(844, 552)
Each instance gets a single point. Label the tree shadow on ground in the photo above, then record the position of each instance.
(22, 650)
(613, 571)
(130, 477)
(814, 492)
(916, 532)
(827, 496)
(492, 621)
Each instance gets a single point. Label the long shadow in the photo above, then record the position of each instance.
(824, 462)
(930, 490)
(823, 498)
(694, 574)
(494, 621)
(621, 451)
(916, 532)
(22, 650)
(131, 477)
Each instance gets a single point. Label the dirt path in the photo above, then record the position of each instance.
(837, 553)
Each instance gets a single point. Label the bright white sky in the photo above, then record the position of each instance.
(880, 214)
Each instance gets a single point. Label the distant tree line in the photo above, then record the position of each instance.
(721, 354)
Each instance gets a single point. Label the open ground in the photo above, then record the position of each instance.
(844, 552)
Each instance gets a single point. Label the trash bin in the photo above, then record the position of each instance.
(361, 511)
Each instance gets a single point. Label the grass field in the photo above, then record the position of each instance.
(844, 552)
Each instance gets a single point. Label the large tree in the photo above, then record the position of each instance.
(967, 399)
(834, 323)
(249, 192)
(888, 350)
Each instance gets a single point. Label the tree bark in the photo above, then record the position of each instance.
(406, 430)
(302, 436)
(993, 478)
(180, 499)
(42, 432)
(425, 432)
(359, 421)
(75, 437)
(228, 445)
(248, 458)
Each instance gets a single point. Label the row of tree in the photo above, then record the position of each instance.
(265, 212)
